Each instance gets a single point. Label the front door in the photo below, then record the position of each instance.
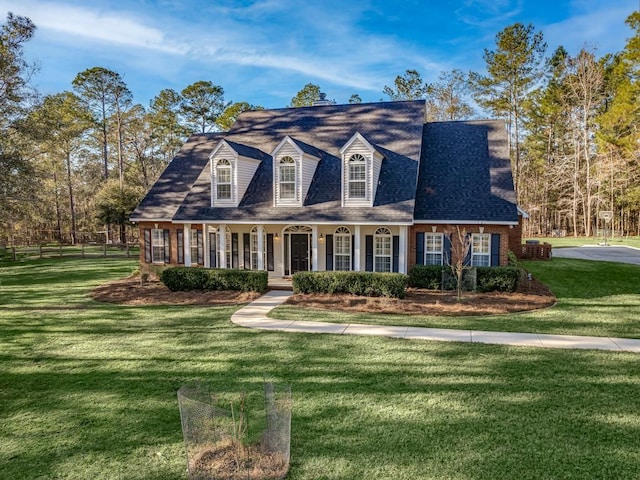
(299, 252)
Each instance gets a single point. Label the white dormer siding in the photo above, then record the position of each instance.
(294, 169)
(229, 168)
(361, 165)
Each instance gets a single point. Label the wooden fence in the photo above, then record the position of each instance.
(88, 250)
(535, 251)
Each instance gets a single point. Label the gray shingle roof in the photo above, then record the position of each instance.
(394, 127)
(441, 171)
(167, 194)
(465, 173)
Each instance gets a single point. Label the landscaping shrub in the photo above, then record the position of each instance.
(426, 276)
(189, 278)
(500, 279)
(488, 279)
(367, 284)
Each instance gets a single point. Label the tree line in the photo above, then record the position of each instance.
(77, 162)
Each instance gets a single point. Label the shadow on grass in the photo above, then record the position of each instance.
(93, 395)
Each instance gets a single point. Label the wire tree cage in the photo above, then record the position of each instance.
(246, 436)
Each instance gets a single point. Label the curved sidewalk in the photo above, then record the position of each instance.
(254, 315)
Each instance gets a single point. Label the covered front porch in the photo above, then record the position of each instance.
(286, 249)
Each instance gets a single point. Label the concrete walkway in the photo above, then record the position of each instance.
(254, 315)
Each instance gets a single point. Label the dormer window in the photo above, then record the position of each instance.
(287, 178)
(361, 165)
(223, 179)
(357, 176)
(294, 164)
(232, 167)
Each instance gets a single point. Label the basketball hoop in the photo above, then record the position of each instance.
(606, 215)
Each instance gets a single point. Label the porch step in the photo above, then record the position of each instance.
(279, 283)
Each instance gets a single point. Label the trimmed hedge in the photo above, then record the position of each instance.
(426, 276)
(367, 284)
(488, 279)
(497, 279)
(191, 278)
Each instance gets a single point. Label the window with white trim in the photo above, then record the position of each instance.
(287, 178)
(357, 177)
(433, 247)
(223, 179)
(382, 242)
(253, 248)
(481, 250)
(342, 249)
(194, 246)
(227, 246)
(157, 245)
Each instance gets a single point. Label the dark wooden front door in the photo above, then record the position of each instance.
(299, 253)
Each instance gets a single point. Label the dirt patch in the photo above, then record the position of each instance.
(130, 291)
(531, 295)
(230, 461)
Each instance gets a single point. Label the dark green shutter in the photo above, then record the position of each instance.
(213, 250)
(147, 245)
(246, 247)
(234, 250)
(395, 251)
(495, 249)
(353, 251)
(329, 265)
(200, 244)
(419, 248)
(270, 266)
(167, 245)
(180, 238)
(447, 249)
(368, 248)
(467, 254)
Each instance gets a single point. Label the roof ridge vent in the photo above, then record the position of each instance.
(322, 100)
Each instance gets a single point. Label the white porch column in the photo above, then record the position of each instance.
(356, 248)
(222, 246)
(314, 248)
(187, 245)
(260, 247)
(402, 244)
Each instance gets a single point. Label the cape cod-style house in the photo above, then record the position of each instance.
(367, 187)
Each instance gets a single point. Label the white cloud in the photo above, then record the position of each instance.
(604, 29)
(312, 42)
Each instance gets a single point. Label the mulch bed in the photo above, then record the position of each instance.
(130, 291)
(531, 295)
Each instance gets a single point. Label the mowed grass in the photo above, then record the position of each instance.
(593, 298)
(89, 391)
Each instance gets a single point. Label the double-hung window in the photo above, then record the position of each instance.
(287, 180)
(357, 177)
(433, 248)
(253, 247)
(157, 245)
(382, 250)
(342, 249)
(194, 247)
(223, 179)
(481, 250)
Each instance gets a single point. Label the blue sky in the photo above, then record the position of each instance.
(264, 51)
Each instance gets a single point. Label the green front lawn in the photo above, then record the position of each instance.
(594, 298)
(89, 391)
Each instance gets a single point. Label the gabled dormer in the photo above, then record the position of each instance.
(232, 168)
(361, 164)
(294, 164)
